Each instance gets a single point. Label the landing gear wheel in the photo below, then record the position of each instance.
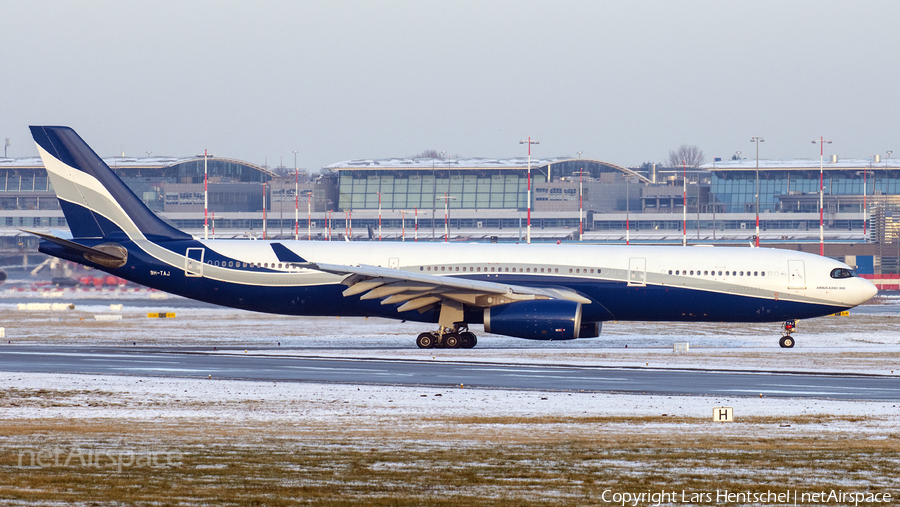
(467, 340)
(425, 341)
(452, 340)
(786, 342)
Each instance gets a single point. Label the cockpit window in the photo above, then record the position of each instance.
(842, 273)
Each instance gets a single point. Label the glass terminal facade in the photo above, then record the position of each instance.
(783, 191)
(467, 186)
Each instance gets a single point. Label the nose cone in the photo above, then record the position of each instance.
(867, 290)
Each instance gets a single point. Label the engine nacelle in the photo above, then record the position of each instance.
(542, 319)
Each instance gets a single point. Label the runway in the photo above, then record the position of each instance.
(236, 365)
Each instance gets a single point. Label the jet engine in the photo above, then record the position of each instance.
(543, 319)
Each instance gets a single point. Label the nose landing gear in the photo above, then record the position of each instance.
(787, 341)
(446, 337)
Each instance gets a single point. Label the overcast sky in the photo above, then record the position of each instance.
(623, 81)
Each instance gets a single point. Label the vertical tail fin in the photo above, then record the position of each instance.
(97, 204)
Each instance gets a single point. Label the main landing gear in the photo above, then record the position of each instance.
(450, 338)
(787, 341)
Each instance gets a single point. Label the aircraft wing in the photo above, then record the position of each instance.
(419, 290)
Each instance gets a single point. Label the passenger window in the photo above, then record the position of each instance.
(705, 273)
(570, 270)
(677, 272)
(692, 272)
(756, 273)
(762, 273)
(670, 271)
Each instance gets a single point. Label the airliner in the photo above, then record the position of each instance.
(531, 291)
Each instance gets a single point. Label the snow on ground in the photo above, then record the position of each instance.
(153, 399)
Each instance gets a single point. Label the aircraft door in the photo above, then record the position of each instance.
(193, 262)
(796, 275)
(637, 272)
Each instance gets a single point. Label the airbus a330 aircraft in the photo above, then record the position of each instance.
(541, 292)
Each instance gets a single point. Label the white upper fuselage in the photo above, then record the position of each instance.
(752, 272)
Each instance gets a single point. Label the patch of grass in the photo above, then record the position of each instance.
(531, 466)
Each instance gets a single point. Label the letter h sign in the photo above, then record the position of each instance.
(723, 414)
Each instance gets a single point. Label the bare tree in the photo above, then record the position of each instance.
(435, 154)
(283, 171)
(428, 154)
(689, 154)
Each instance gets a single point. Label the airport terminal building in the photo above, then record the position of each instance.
(483, 199)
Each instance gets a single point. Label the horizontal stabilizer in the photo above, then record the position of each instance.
(285, 254)
(111, 255)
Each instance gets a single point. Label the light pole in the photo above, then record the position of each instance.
(864, 210)
(205, 197)
(446, 210)
(309, 215)
(627, 210)
(822, 142)
(529, 142)
(580, 202)
(684, 206)
(434, 193)
(757, 140)
(885, 165)
(281, 199)
(447, 213)
(447, 199)
(296, 199)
